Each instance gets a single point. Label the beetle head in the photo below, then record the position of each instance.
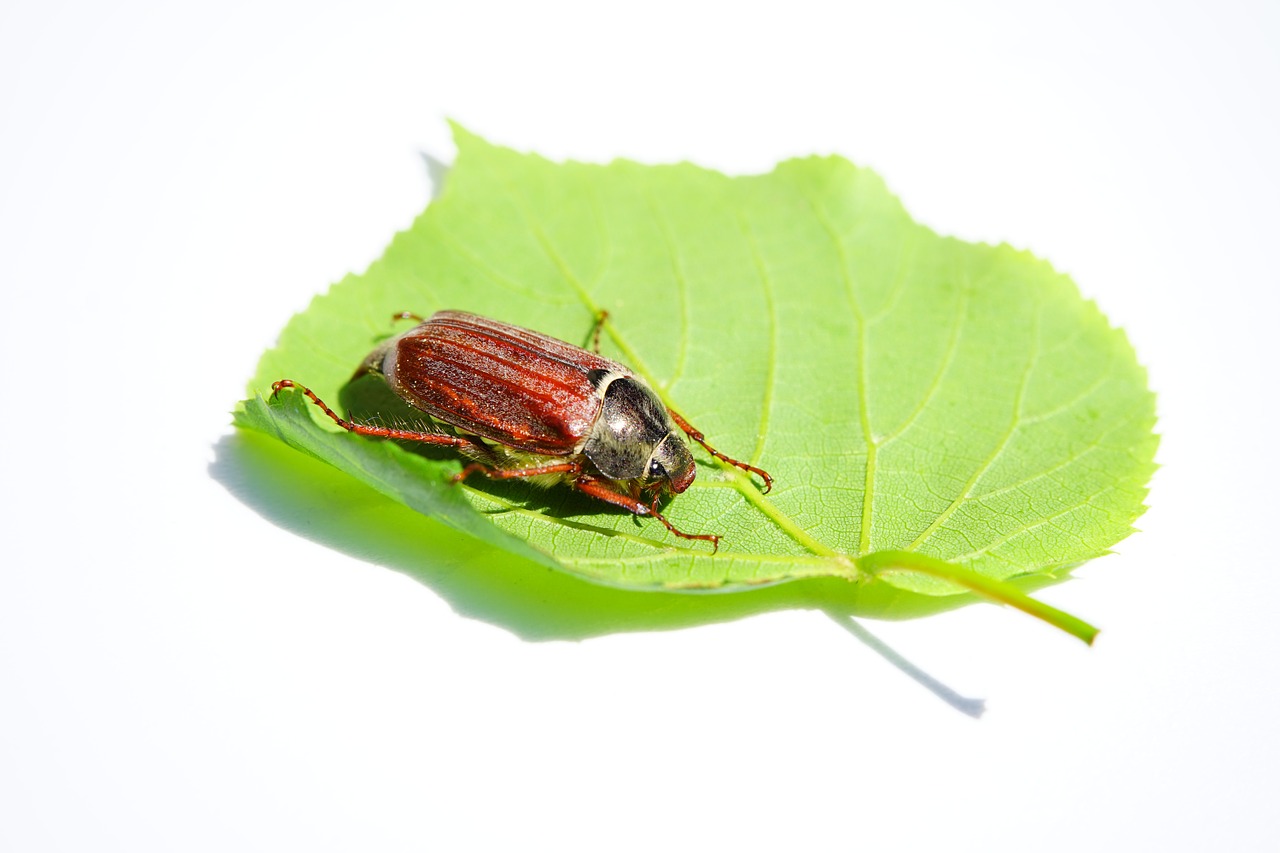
(671, 464)
(634, 439)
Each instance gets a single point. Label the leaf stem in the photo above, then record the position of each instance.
(998, 591)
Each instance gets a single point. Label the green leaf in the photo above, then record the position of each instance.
(938, 415)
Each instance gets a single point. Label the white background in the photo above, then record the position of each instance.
(186, 661)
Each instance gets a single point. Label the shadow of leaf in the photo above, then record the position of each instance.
(307, 497)
(311, 499)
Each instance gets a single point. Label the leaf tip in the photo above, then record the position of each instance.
(458, 130)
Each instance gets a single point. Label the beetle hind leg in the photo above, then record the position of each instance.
(369, 429)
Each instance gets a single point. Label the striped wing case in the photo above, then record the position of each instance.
(504, 383)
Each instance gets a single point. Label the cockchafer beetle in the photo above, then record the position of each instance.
(526, 405)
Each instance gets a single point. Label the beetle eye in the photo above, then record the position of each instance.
(656, 471)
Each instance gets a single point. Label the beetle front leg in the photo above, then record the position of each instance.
(599, 489)
(701, 439)
(369, 429)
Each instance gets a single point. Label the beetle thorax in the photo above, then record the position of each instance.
(633, 437)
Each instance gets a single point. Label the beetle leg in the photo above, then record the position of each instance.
(513, 473)
(595, 333)
(701, 439)
(599, 489)
(368, 429)
(407, 315)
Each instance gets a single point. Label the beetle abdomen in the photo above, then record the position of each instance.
(502, 382)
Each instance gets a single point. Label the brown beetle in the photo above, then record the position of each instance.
(525, 405)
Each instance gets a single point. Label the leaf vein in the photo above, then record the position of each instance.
(496, 276)
(1090, 447)
(900, 279)
(846, 275)
(771, 377)
(682, 286)
(1038, 523)
(995, 454)
(953, 346)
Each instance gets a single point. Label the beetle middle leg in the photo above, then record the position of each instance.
(572, 468)
(595, 332)
(600, 489)
(701, 439)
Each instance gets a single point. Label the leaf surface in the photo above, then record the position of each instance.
(911, 394)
